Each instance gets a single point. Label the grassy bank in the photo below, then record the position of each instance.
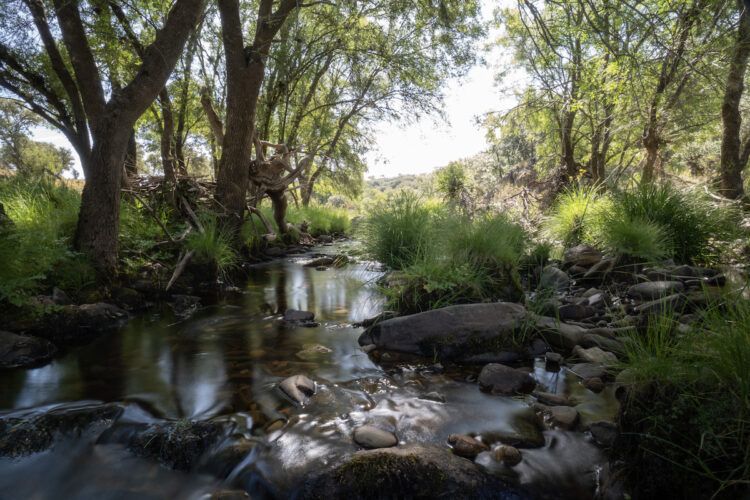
(442, 256)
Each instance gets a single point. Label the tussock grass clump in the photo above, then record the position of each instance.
(465, 261)
(397, 232)
(633, 238)
(214, 245)
(686, 422)
(37, 239)
(573, 214)
(694, 225)
(646, 223)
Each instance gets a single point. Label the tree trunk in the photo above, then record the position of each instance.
(732, 163)
(131, 157)
(99, 216)
(651, 144)
(245, 71)
(167, 135)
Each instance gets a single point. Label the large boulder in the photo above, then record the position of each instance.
(18, 351)
(582, 256)
(414, 471)
(449, 331)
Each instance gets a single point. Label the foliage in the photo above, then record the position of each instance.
(573, 214)
(43, 216)
(398, 232)
(213, 245)
(694, 225)
(687, 421)
(321, 219)
(633, 238)
(464, 261)
(451, 181)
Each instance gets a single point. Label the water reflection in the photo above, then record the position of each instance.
(227, 361)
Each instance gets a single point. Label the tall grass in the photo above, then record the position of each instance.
(321, 219)
(687, 423)
(397, 232)
(648, 222)
(693, 223)
(572, 215)
(213, 245)
(43, 215)
(445, 257)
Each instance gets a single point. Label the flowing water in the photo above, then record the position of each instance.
(224, 364)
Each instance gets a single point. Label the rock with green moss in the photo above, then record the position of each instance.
(414, 471)
(31, 433)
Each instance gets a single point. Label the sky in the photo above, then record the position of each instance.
(421, 146)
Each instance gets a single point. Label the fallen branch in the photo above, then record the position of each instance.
(180, 268)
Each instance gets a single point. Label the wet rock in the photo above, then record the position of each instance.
(508, 455)
(466, 446)
(370, 436)
(26, 434)
(298, 388)
(600, 271)
(433, 396)
(224, 460)
(60, 298)
(589, 370)
(449, 331)
(525, 432)
(575, 312)
(501, 379)
(320, 262)
(77, 324)
(20, 351)
(127, 298)
(604, 433)
(552, 361)
(609, 344)
(313, 351)
(300, 318)
(549, 399)
(229, 495)
(559, 334)
(325, 238)
(367, 349)
(582, 256)
(503, 357)
(564, 417)
(412, 471)
(594, 384)
(177, 445)
(595, 355)
(650, 290)
(670, 303)
(553, 278)
(185, 305)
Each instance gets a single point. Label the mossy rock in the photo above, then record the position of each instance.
(414, 471)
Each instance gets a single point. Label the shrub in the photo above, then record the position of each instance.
(398, 231)
(572, 214)
(43, 215)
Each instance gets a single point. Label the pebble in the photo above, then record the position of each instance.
(509, 455)
(594, 384)
(369, 436)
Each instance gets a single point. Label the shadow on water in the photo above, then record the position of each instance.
(224, 363)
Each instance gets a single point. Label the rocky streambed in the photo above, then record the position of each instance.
(298, 386)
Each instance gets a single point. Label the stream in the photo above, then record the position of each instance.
(224, 364)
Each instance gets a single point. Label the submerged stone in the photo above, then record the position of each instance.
(20, 351)
(298, 388)
(369, 436)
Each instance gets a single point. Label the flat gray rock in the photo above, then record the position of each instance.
(650, 290)
(447, 331)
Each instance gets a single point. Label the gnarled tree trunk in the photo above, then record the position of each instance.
(733, 159)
